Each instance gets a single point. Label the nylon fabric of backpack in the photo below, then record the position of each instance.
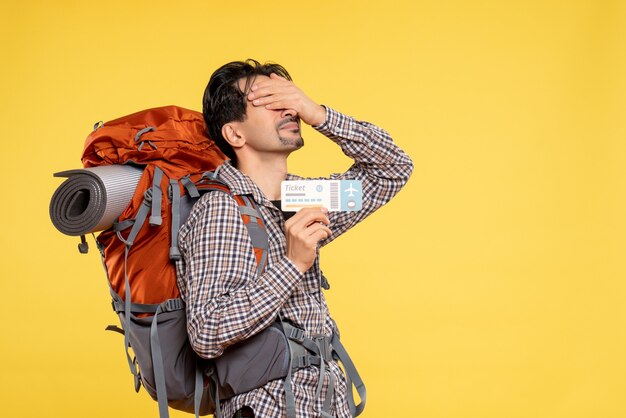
(179, 146)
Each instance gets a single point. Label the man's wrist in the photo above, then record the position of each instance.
(297, 266)
(326, 127)
(319, 117)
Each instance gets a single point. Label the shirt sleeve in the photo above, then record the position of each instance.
(226, 302)
(381, 166)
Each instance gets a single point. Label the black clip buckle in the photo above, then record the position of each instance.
(83, 247)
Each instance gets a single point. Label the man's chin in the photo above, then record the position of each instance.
(294, 143)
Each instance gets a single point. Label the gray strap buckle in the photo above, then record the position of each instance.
(324, 344)
(301, 362)
(172, 305)
(296, 334)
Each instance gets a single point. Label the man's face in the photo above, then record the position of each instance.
(270, 130)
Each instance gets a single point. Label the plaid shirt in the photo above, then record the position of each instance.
(227, 303)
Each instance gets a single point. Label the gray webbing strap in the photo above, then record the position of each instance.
(141, 144)
(120, 226)
(167, 306)
(290, 400)
(258, 235)
(155, 217)
(218, 409)
(322, 343)
(142, 213)
(131, 363)
(128, 322)
(128, 242)
(320, 381)
(139, 221)
(175, 193)
(250, 207)
(211, 374)
(352, 376)
(191, 188)
(197, 394)
(248, 210)
(120, 306)
(212, 175)
(143, 131)
(322, 350)
(329, 394)
(157, 365)
(262, 263)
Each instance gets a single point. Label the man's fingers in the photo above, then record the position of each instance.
(260, 92)
(266, 87)
(273, 97)
(319, 232)
(277, 77)
(303, 232)
(282, 104)
(306, 217)
(276, 101)
(306, 213)
(274, 80)
(266, 95)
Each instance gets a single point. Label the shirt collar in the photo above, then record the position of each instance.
(241, 184)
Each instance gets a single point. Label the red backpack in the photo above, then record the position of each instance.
(178, 159)
(170, 142)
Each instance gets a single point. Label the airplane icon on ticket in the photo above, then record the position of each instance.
(351, 190)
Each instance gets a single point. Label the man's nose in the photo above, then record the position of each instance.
(288, 113)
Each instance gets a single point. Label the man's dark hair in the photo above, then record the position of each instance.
(225, 102)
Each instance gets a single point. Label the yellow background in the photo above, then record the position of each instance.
(492, 286)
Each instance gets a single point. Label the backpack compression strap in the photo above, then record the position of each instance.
(352, 376)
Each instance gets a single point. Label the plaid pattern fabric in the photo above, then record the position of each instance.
(226, 303)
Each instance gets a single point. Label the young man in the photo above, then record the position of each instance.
(253, 113)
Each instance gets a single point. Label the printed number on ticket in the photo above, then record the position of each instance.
(335, 195)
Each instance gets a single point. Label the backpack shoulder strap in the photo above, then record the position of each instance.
(256, 229)
(248, 209)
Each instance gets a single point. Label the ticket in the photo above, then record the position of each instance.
(334, 195)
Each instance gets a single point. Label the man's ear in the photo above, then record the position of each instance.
(232, 135)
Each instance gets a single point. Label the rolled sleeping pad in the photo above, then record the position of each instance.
(91, 199)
